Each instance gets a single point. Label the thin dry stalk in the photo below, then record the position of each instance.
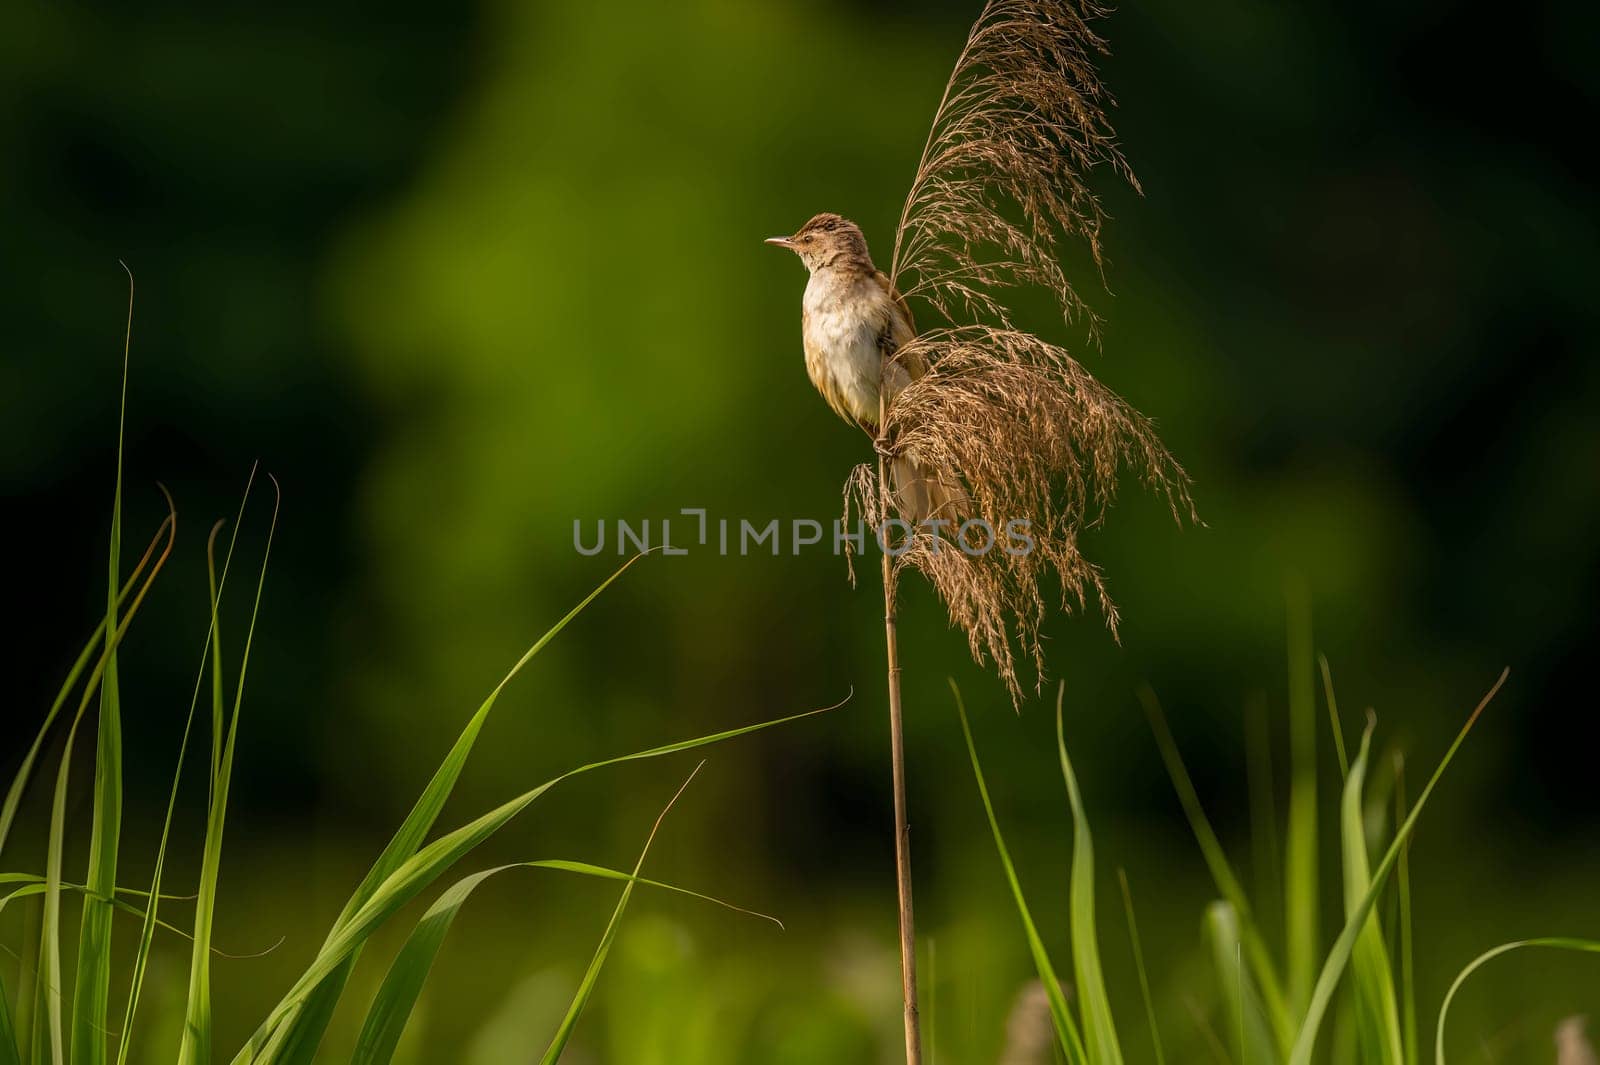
(902, 829)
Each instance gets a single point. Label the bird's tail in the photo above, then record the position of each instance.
(923, 494)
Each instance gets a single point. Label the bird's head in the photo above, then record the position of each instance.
(827, 240)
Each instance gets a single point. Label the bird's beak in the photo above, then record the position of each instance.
(780, 242)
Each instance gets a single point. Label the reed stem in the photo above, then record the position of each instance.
(902, 831)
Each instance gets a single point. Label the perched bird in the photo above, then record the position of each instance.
(851, 320)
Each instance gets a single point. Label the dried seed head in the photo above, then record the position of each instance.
(1026, 429)
(1003, 177)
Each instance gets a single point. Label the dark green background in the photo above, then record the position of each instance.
(459, 276)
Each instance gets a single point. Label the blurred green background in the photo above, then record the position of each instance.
(460, 275)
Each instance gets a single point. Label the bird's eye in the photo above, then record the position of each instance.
(806, 239)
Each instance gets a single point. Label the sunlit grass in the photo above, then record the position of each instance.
(1272, 1006)
(1258, 1023)
(293, 1029)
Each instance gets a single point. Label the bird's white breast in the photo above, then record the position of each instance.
(843, 321)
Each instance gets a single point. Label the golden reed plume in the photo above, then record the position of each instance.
(1001, 188)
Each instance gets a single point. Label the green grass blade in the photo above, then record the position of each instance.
(48, 1041)
(1067, 1035)
(195, 1048)
(19, 783)
(34, 884)
(1408, 968)
(147, 930)
(94, 645)
(92, 976)
(1376, 806)
(10, 1049)
(426, 810)
(1099, 1027)
(1255, 949)
(307, 1024)
(1138, 962)
(402, 985)
(47, 989)
(1587, 946)
(270, 1043)
(1253, 1042)
(1300, 899)
(27, 1014)
(91, 991)
(1334, 722)
(93, 971)
(1377, 1013)
(558, 1043)
(603, 873)
(1333, 967)
(413, 875)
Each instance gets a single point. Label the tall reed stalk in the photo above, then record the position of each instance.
(902, 830)
(1023, 427)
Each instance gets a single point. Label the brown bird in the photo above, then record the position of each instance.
(851, 321)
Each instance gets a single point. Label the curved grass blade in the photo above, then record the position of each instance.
(92, 975)
(24, 772)
(195, 1048)
(47, 991)
(1587, 946)
(1333, 967)
(402, 985)
(19, 782)
(34, 884)
(147, 929)
(1408, 969)
(563, 1035)
(416, 872)
(1099, 1028)
(1300, 899)
(307, 1023)
(47, 1013)
(1377, 1015)
(1334, 721)
(397, 997)
(601, 872)
(1256, 955)
(1138, 961)
(1067, 1035)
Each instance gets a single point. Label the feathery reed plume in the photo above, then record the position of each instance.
(1003, 175)
(1022, 426)
(1032, 436)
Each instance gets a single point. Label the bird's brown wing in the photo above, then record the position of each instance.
(899, 330)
